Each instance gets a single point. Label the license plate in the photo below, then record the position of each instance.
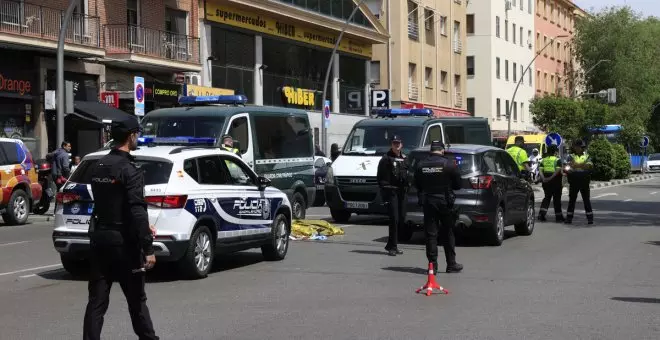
(320, 187)
(357, 205)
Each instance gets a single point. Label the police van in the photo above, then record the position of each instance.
(275, 142)
(202, 200)
(351, 185)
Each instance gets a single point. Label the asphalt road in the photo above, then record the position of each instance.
(563, 282)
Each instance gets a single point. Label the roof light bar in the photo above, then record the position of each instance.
(176, 141)
(391, 113)
(238, 99)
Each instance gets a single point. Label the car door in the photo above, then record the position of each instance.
(495, 168)
(240, 129)
(517, 191)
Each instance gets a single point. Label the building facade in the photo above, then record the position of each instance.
(425, 64)
(500, 48)
(557, 72)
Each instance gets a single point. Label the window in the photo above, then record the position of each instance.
(498, 108)
(457, 83)
(497, 67)
(470, 106)
(413, 21)
(506, 108)
(522, 114)
(457, 31)
(213, 171)
(443, 80)
(412, 74)
(529, 39)
(434, 133)
(374, 72)
(158, 171)
(515, 111)
(133, 13)
(521, 36)
(490, 159)
(506, 30)
(538, 80)
(428, 77)
(506, 70)
(239, 131)
(429, 26)
(521, 5)
(507, 164)
(183, 125)
(514, 33)
(11, 153)
(514, 3)
(538, 41)
(237, 172)
(530, 78)
(282, 136)
(375, 140)
(176, 22)
(454, 134)
(529, 6)
(522, 74)
(497, 26)
(443, 25)
(469, 22)
(470, 65)
(190, 167)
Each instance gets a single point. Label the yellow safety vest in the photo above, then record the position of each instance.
(519, 156)
(550, 165)
(581, 159)
(231, 165)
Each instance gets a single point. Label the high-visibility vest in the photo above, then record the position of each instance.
(550, 164)
(581, 159)
(517, 153)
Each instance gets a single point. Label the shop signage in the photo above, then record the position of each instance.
(163, 93)
(15, 85)
(300, 97)
(281, 28)
(196, 90)
(110, 98)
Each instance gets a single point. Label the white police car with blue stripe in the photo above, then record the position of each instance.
(202, 200)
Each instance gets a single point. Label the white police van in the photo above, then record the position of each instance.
(202, 200)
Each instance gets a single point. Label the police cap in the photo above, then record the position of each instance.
(395, 138)
(227, 136)
(437, 145)
(124, 127)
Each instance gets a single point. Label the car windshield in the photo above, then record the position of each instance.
(155, 172)
(200, 127)
(467, 163)
(375, 140)
(654, 157)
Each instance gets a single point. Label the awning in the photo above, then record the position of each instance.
(98, 112)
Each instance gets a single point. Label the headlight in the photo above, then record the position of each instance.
(329, 177)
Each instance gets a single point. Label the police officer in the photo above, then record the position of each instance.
(228, 144)
(393, 183)
(579, 180)
(551, 176)
(519, 154)
(436, 178)
(121, 239)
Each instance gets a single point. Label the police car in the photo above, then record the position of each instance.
(202, 200)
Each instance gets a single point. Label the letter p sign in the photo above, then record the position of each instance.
(380, 98)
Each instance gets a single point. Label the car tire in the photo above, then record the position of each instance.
(18, 208)
(74, 266)
(319, 200)
(198, 259)
(340, 216)
(298, 206)
(278, 246)
(405, 234)
(496, 236)
(526, 227)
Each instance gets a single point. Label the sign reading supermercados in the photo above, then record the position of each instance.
(258, 22)
(196, 90)
(300, 97)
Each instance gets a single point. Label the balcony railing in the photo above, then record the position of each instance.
(41, 22)
(458, 46)
(413, 91)
(458, 101)
(128, 39)
(413, 30)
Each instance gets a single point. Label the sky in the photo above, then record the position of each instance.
(646, 7)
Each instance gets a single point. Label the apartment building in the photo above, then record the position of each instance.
(500, 48)
(556, 70)
(107, 43)
(425, 66)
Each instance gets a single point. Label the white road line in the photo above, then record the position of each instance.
(30, 269)
(605, 195)
(12, 243)
(628, 200)
(653, 193)
(26, 276)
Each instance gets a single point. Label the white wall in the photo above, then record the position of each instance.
(340, 126)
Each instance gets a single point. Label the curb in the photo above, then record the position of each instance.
(622, 181)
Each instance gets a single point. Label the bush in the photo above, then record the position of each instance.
(602, 155)
(622, 166)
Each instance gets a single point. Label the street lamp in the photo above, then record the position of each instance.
(522, 76)
(573, 95)
(324, 130)
(60, 71)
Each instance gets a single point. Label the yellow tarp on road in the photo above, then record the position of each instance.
(303, 229)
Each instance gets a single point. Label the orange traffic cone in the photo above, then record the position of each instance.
(431, 284)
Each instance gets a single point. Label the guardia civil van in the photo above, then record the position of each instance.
(275, 142)
(351, 185)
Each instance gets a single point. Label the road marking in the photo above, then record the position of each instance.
(628, 200)
(653, 193)
(12, 243)
(605, 195)
(30, 269)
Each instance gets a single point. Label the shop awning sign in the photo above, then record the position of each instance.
(110, 98)
(196, 90)
(299, 97)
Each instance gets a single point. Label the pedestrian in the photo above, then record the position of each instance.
(60, 164)
(121, 240)
(393, 182)
(436, 178)
(228, 145)
(76, 162)
(318, 152)
(520, 155)
(551, 176)
(334, 151)
(579, 181)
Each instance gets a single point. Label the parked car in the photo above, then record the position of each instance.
(321, 165)
(652, 164)
(20, 185)
(493, 193)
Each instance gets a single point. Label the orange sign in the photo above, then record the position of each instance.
(21, 87)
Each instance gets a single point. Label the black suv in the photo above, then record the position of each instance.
(493, 194)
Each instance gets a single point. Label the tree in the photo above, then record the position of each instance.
(602, 156)
(556, 114)
(621, 162)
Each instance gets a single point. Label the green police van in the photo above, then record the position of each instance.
(275, 142)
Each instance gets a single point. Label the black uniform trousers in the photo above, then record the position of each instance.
(579, 184)
(113, 264)
(552, 191)
(397, 202)
(439, 223)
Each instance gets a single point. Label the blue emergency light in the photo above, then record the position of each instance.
(176, 141)
(238, 99)
(391, 113)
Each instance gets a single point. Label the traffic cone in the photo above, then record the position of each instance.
(431, 284)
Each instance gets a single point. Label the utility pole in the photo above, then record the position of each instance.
(60, 71)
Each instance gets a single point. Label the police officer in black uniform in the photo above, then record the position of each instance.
(436, 178)
(120, 235)
(393, 183)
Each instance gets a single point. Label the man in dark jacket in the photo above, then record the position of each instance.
(120, 236)
(60, 164)
(392, 180)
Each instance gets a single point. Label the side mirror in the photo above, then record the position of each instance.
(263, 183)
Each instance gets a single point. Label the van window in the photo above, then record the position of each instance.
(155, 172)
(280, 136)
(375, 140)
(454, 134)
(179, 126)
(239, 131)
(434, 133)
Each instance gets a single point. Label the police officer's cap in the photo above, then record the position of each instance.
(125, 126)
(437, 145)
(227, 136)
(519, 139)
(395, 138)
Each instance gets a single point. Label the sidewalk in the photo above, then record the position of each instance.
(598, 184)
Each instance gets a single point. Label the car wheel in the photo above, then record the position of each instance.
(198, 259)
(74, 266)
(340, 216)
(279, 244)
(405, 234)
(526, 227)
(298, 206)
(18, 208)
(497, 230)
(319, 201)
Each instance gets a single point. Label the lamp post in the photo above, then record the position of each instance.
(522, 76)
(574, 95)
(60, 71)
(324, 130)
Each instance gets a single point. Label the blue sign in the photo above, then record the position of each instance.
(553, 138)
(645, 142)
(326, 114)
(138, 83)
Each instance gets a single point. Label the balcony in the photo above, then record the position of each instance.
(413, 92)
(39, 26)
(413, 30)
(458, 99)
(152, 47)
(458, 46)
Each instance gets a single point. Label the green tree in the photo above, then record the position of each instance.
(621, 162)
(556, 114)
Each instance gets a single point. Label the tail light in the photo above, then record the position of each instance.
(44, 166)
(66, 197)
(167, 202)
(481, 182)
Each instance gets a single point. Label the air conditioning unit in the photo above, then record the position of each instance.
(507, 5)
(193, 78)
